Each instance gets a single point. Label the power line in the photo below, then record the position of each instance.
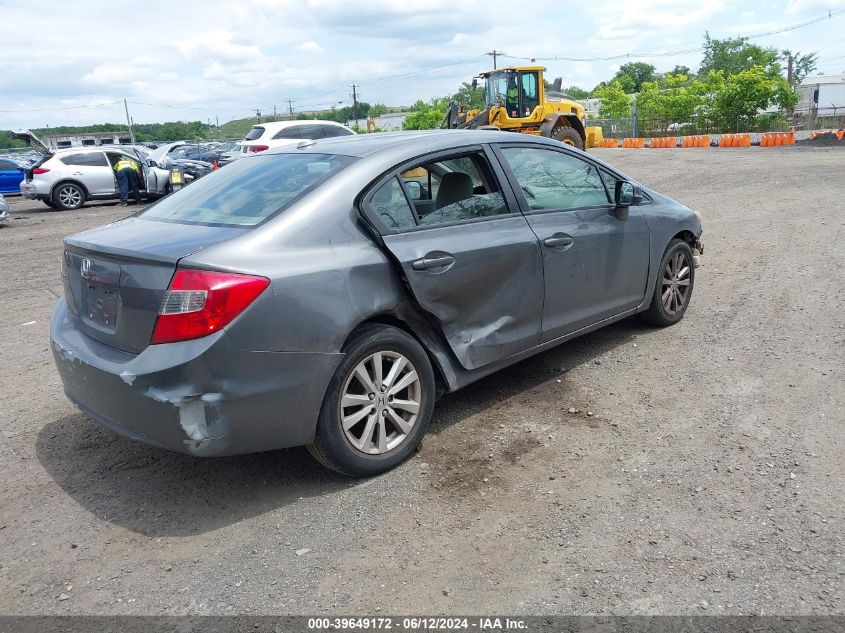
(93, 105)
(698, 49)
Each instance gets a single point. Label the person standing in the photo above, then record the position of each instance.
(128, 172)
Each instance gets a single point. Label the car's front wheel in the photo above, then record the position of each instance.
(378, 404)
(673, 287)
(69, 196)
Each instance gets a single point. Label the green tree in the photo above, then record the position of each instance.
(735, 55)
(675, 99)
(633, 75)
(802, 65)
(680, 70)
(426, 115)
(377, 109)
(615, 103)
(469, 96)
(740, 97)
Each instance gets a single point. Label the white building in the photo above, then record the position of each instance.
(823, 95)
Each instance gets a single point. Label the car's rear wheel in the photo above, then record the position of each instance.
(69, 196)
(378, 404)
(673, 287)
(50, 204)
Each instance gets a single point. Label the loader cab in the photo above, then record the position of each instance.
(516, 90)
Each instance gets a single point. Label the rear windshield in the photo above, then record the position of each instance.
(254, 133)
(248, 191)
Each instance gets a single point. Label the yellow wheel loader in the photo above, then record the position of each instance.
(517, 101)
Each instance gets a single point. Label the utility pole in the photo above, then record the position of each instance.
(217, 121)
(258, 115)
(789, 71)
(494, 54)
(355, 102)
(129, 121)
(290, 108)
(274, 113)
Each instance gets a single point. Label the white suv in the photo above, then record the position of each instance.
(281, 133)
(68, 178)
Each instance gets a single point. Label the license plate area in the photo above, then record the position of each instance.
(100, 306)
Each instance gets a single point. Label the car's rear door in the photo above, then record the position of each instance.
(93, 170)
(595, 259)
(471, 261)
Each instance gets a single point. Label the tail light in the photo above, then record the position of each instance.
(198, 303)
(40, 170)
(258, 148)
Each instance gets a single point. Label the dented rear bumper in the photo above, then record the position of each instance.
(203, 397)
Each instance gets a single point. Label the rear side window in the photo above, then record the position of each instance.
(301, 132)
(391, 205)
(335, 130)
(248, 191)
(254, 133)
(6, 165)
(440, 192)
(91, 159)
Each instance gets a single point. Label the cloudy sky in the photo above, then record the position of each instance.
(72, 62)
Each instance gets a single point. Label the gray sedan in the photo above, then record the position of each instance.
(327, 294)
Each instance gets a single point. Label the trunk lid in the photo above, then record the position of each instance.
(115, 276)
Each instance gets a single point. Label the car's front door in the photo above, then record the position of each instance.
(595, 259)
(468, 255)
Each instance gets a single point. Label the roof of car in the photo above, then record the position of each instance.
(420, 142)
(278, 125)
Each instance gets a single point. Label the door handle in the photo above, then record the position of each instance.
(559, 241)
(427, 263)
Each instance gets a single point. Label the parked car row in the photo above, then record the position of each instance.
(67, 178)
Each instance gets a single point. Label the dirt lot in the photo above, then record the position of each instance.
(702, 473)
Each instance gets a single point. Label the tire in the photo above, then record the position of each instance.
(50, 204)
(676, 276)
(568, 135)
(69, 196)
(373, 443)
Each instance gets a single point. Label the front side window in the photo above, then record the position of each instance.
(91, 159)
(248, 191)
(554, 180)
(530, 98)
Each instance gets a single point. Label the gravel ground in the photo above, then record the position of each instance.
(701, 474)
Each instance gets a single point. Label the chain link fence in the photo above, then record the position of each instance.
(654, 127)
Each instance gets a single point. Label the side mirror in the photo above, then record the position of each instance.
(625, 193)
(152, 163)
(414, 188)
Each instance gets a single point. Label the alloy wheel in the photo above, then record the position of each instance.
(675, 285)
(380, 402)
(69, 196)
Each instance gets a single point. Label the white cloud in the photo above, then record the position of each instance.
(311, 47)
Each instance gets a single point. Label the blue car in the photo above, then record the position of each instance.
(11, 175)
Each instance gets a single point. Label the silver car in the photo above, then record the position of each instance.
(68, 178)
(327, 294)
